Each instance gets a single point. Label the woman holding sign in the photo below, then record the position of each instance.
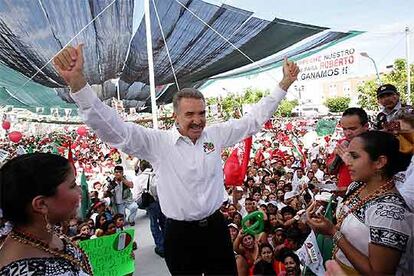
(38, 191)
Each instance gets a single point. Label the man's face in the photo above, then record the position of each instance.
(118, 174)
(97, 186)
(238, 194)
(279, 165)
(250, 206)
(191, 117)
(388, 100)
(352, 126)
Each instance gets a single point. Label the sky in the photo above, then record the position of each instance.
(383, 22)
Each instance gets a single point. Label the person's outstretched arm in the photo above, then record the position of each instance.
(234, 131)
(107, 124)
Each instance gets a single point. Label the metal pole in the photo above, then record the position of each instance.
(376, 70)
(150, 62)
(117, 90)
(407, 58)
(364, 54)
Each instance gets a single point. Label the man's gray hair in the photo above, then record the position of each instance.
(186, 93)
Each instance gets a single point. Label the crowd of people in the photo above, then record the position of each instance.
(280, 182)
(364, 175)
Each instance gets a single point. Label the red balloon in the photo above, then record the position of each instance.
(6, 125)
(82, 131)
(15, 136)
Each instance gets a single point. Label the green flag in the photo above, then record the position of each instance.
(325, 243)
(85, 203)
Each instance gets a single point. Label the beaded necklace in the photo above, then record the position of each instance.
(29, 239)
(383, 189)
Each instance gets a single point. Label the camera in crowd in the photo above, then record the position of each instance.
(111, 184)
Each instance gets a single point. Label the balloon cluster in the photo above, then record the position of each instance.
(14, 136)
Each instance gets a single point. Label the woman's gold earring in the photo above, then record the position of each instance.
(49, 227)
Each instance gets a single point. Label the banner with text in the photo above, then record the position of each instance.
(332, 64)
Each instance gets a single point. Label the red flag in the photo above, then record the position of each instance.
(70, 157)
(236, 165)
(268, 125)
(246, 155)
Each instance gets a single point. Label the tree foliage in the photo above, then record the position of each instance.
(367, 97)
(232, 103)
(337, 104)
(285, 108)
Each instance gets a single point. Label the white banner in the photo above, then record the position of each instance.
(310, 255)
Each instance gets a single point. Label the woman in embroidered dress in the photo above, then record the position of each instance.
(38, 191)
(374, 227)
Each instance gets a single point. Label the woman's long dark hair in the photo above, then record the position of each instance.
(377, 143)
(27, 176)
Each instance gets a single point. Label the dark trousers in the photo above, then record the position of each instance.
(193, 248)
(157, 224)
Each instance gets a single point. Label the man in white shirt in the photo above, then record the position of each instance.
(317, 172)
(186, 159)
(299, 180)
(145, 181)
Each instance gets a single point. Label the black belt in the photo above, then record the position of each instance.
(202, 222)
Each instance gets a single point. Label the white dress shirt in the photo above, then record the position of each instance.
(405, 184)
(141, 183)
(189, 176)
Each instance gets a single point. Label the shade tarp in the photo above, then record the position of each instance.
(32, 32)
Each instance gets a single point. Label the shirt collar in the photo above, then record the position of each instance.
(177, 135)
(396, 107)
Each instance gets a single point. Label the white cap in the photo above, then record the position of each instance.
(233, 225)
(289, 195)
(324, 196)
(274, 203)
(239, 189)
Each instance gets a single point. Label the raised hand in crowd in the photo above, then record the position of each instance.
(318, 222)
(69, 64)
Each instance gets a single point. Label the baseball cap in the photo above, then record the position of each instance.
(386, 89)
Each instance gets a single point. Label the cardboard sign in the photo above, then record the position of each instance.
(111, 255)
